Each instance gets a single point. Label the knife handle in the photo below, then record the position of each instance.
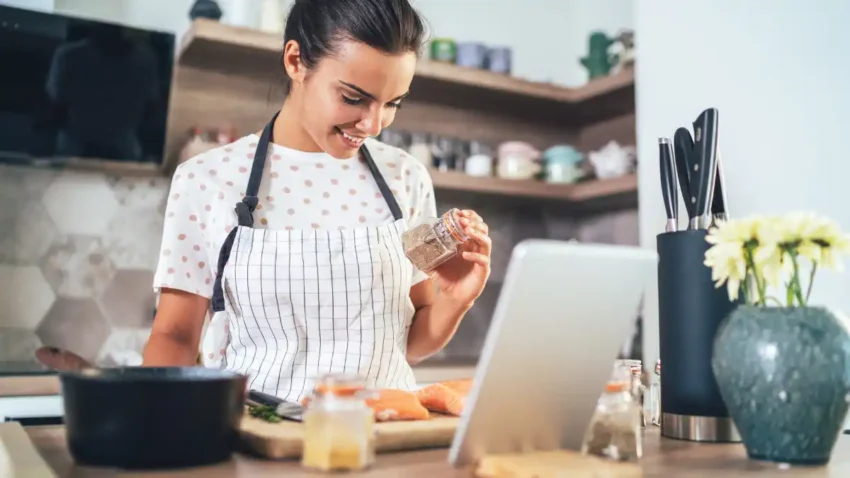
(264, 398)
(705, 162)
(718, 202)
(684, 147)
(669, 189)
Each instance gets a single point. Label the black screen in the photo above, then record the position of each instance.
(77, 88)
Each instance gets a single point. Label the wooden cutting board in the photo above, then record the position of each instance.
(283, 439)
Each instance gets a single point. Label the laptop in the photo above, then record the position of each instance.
(564, 312)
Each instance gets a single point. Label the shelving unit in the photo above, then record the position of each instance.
(231, 73)
(249, 50)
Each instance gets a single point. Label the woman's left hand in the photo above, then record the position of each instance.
(463, 277)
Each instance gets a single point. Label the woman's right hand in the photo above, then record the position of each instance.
(176, 334)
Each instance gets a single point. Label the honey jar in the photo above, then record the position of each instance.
(339, 427)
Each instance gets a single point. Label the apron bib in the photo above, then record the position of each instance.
(290, 306)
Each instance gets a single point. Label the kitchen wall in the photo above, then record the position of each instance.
(77, 254)
(779, 79)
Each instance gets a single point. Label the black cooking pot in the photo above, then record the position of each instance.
(152, 418)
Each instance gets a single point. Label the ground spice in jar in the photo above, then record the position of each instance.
(435, 241)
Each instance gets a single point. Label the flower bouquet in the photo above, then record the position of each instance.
(779, 362)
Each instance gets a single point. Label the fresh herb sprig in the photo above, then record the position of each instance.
(264, 412)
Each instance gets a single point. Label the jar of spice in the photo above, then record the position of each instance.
(435, 241)
(339, 427)
(615, 430)
(655, 396)
(420, 148)
(637, 387)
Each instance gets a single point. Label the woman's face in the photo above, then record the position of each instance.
(350, 95)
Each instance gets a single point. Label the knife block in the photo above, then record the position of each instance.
(690, 310)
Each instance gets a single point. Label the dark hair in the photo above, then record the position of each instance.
(391, 26)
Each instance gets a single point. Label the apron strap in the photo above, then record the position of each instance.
(217, 300)
(382, 184)
(245, 209)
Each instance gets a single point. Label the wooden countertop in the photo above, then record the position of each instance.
(662, 458)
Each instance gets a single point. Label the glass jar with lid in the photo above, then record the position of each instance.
(433, 242)
(655, 396)
(420, 148)
(339, 426)
(638, 389)
(615, 428)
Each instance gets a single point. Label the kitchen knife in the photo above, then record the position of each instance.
(288, 410)
(719, 213)
(669, 189)
(684, 153)
(704, 169)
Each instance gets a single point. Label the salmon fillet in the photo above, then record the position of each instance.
(446, 397)
(391, 405)
(397, 405)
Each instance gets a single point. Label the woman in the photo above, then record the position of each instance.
(307, 275)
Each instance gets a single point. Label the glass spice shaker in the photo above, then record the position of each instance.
(637, 386)
(443, 153)
(655, 396)
(339, 426)
(420, 148)
(435, 241)
(614, 431)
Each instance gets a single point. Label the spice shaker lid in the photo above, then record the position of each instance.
(452, 226)
(617, 386)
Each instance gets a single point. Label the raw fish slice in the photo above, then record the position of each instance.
(447, 397)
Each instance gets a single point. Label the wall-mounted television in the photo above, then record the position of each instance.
(79, 89)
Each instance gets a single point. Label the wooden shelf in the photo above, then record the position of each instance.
(212, 45)
(607, 192)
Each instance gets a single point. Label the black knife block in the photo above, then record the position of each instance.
(690, 310)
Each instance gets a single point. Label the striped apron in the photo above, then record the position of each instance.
(290, 306)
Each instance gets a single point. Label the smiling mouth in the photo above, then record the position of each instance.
(353, 140)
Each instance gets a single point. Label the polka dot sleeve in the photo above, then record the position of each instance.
(183, 261)
(423, 205)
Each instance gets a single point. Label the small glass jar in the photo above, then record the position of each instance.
(614, 431)
(655, 396)
(637, 387)
(435, 241)
(339, 426)
(420, 148)
(443, 152)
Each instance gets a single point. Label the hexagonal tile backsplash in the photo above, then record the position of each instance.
(77, 256)
(78, 251)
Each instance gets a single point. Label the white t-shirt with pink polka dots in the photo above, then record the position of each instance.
(299, 190)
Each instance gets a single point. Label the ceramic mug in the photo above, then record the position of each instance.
(471, 55)
(499, 60)
(518, 160)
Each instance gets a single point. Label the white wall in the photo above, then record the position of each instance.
(779, 78)
(40, 5)
(547, 37)
(105, 10)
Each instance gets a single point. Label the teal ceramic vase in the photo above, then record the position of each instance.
(784, 374)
